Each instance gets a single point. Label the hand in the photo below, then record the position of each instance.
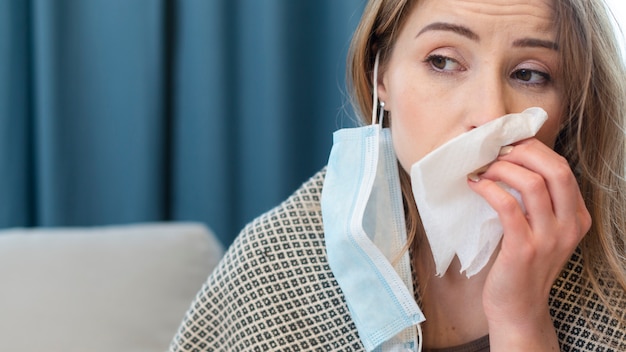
(535, 245)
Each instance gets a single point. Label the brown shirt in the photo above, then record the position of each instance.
(479, 345)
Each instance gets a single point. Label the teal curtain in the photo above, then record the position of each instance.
(121, 111)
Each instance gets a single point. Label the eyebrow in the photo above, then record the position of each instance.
(535, 43)
(458, 29)
(468, 33)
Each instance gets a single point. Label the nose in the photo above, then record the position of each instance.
(486, 101)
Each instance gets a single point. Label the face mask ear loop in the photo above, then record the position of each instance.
(375, 91)
(420, 338)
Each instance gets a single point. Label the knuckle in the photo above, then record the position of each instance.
(562, 172)
(574, 231)
(585, 221)
(507, 203)
(570, 240)
(535, 183)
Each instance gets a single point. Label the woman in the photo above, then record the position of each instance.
(446, 67)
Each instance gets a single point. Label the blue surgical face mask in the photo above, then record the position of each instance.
(365, 231)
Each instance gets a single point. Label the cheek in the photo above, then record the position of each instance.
(407, 126)
(551, 128)
(421, 123)
(405, 150)
(408, 121)
(418, 131)
(421, 117)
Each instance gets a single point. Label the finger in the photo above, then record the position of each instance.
(506, 206)
(558, 176)
(567, 201)
(531, 186)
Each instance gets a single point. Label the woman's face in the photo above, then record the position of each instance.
(458, 64)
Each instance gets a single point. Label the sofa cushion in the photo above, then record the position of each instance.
(118, 288)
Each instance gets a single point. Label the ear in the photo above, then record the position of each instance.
(381, 85)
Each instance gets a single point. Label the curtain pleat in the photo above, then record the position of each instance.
(16, 139)
(204, 127)
(99, 121)
(117, 111)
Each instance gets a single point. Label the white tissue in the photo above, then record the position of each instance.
(458, 221)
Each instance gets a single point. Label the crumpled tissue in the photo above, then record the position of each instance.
(458, 221)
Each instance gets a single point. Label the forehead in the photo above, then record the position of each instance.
(537, 15)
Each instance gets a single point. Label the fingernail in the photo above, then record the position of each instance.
(505, 150)
(474, 177)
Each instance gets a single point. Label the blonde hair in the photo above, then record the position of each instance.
(592, 138)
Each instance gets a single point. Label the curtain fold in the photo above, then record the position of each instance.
(16, 140)
(117, 111)
(98, 115)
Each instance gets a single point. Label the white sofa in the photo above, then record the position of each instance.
(117, 288)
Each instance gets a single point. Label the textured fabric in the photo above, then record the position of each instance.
(274, 291)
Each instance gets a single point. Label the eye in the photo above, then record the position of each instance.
(531, 76)
(443, 63)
